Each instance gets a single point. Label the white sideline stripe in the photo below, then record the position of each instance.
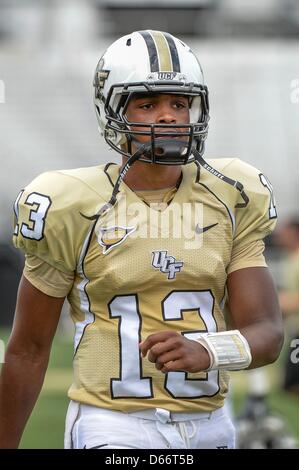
(84, 303)
(222, 303)
(233, 221)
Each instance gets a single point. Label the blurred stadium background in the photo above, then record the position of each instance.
(249, 51)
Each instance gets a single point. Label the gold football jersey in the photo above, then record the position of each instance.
(138, 271)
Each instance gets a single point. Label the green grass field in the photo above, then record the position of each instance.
(46, 425)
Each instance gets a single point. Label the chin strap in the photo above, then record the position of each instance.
(200, 161)
(112, 201)
(170, 148)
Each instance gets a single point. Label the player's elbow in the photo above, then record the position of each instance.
(29, 352)
(275, 342)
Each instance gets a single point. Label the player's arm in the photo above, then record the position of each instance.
(255, 312)
(26, 359)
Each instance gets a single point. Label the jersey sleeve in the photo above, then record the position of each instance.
(258, 218)
(248, 256)
(46, 278)
(49, 222)
(253, 222)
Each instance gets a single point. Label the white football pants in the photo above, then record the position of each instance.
(91, 427)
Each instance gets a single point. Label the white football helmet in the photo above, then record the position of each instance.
(151, 62)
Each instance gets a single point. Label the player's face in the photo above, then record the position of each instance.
(159, 109)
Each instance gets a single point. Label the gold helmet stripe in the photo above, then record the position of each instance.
(173, 52)
(163, 51)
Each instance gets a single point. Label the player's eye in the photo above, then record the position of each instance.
(146, 106)
(180, 104)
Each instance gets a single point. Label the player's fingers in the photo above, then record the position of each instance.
(173, 366)
(169, 356)
(159, 349)
(155, 338)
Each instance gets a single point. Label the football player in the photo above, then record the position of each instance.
(149, 253)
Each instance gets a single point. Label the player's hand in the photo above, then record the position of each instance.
(171, 352)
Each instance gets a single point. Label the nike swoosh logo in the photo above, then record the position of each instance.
(200, 230)
(95, 447)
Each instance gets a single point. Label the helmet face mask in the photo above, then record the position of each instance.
(115, 85)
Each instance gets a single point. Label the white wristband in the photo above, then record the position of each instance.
(228, 350)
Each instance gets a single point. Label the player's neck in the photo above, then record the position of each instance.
(151, 176)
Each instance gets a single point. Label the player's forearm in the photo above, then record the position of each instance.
(20, 384)
(265, 340)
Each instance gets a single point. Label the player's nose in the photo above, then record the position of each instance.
(166, 114)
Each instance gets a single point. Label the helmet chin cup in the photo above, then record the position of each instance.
(165, 151)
